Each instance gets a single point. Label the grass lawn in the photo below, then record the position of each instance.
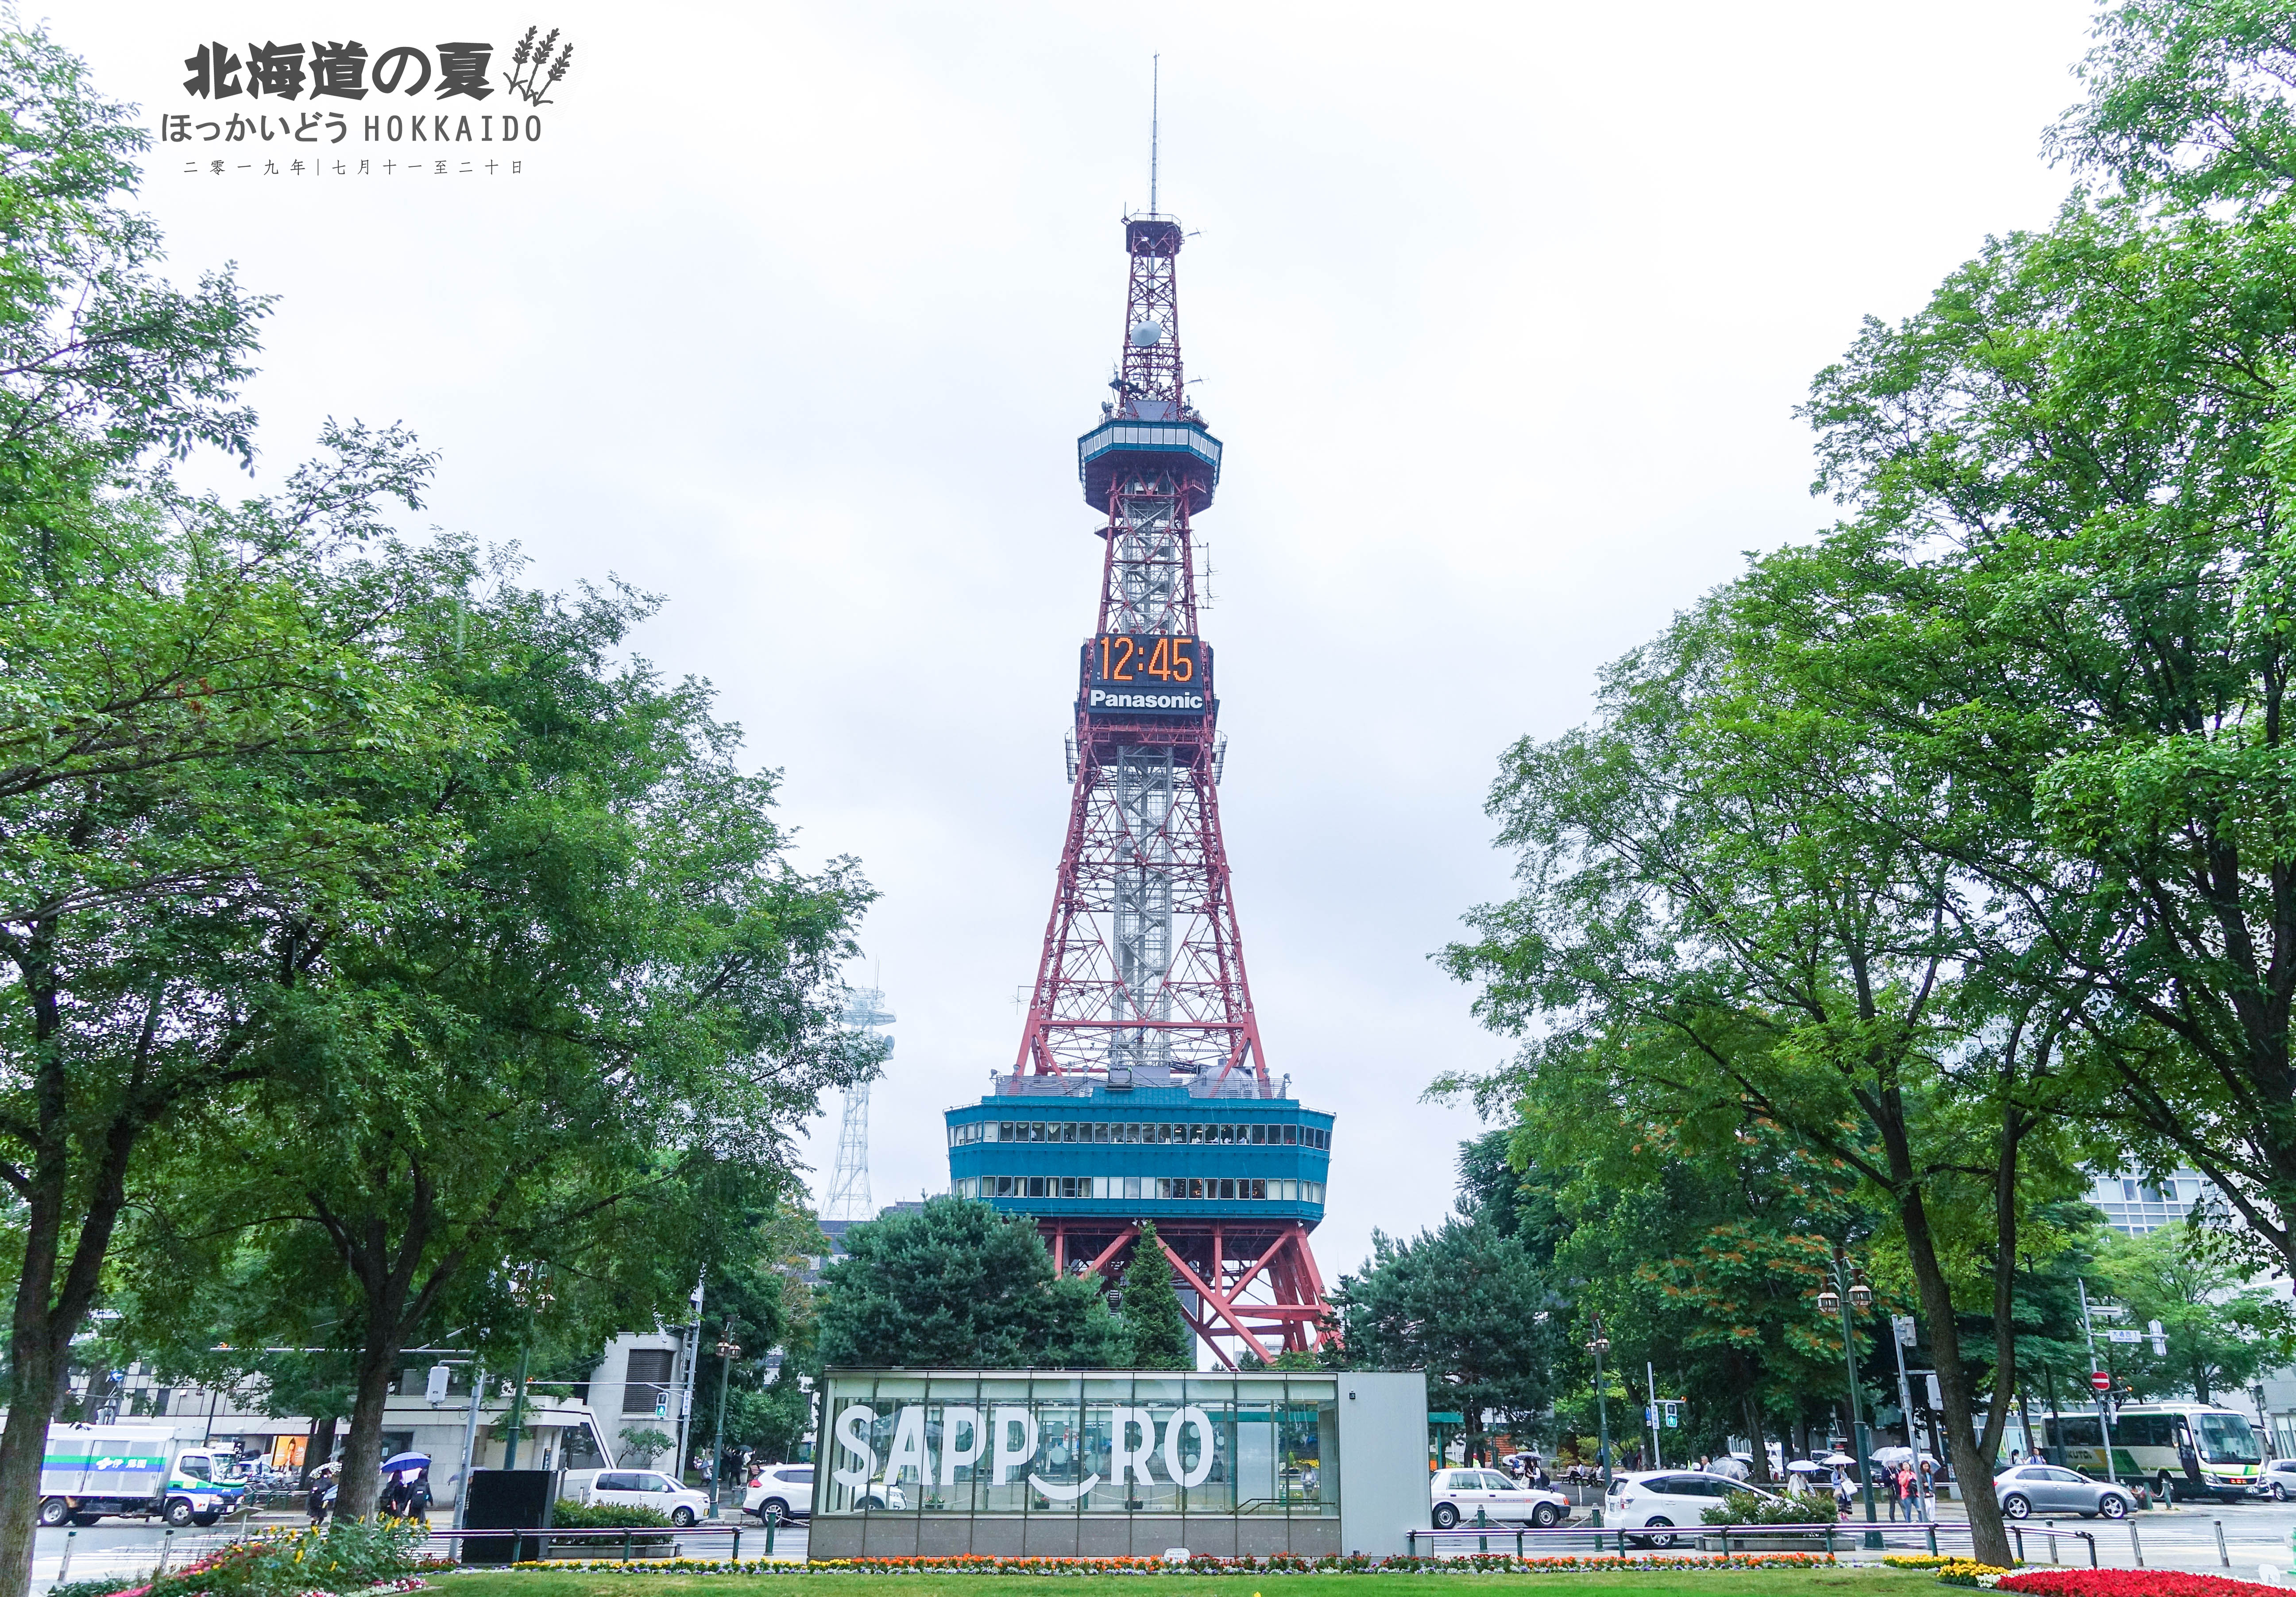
(1675, 1583)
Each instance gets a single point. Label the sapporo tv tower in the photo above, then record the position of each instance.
(1142, 1089)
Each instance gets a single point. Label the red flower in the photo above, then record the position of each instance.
(2129, 1583)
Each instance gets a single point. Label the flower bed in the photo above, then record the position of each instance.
(2129, 1583)
(349, 1556)
(1950, 1571)
(1480, 1563)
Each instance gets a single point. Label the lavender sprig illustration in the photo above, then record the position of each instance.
(531, 61)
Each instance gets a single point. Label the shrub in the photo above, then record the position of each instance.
(102, 1585)
(570, 1515)
(346, 1553)
(1755, 1508)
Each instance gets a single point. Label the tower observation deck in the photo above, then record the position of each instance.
(1141, 1091)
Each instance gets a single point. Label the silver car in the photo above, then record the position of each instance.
(2028, 1489)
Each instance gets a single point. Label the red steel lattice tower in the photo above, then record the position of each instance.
(1141, 1016)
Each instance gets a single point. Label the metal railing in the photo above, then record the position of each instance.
(1529, 1541)
(544, 1539)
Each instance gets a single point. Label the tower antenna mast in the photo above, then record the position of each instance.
(1155, 85)
(1140, 1027)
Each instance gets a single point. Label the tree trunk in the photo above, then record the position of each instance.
(48, 1309)
(1973, 1466)
(319, 1448)
(1761, 1450)
(34, 1383)
(361, 1485)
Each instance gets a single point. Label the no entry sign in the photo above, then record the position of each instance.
(2101, 1382)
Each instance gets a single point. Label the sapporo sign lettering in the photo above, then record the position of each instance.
(1008, 1436)
(318, 109)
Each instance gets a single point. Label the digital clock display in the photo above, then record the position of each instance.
(1147, 673)
(1151, 659)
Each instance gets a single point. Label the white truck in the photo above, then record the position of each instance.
(87, 1471)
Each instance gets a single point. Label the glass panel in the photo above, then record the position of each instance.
(1056, 1479)
(1156, 1401)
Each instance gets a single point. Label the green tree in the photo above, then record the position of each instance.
(1721, 903)
(759, 1297)
(2188, 100)
(535, 1096)
(1159, 1333)
(2221, 1332)
(956, 1284)
(643, 1443)
(2062, 585)
(1465, 1303)
(173, 675)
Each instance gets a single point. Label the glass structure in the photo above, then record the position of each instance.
(1090, 1461)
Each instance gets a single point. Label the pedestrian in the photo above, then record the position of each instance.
(418, 1495)
(1927, 1487)
(1902, 1493)
(322, 1486)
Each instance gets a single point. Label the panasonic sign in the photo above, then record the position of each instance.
(1164, 703)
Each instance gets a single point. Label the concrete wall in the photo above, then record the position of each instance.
(1383, 1469)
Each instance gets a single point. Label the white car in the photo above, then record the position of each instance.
(1661, 1500)
(649, 1489)
(1459, 1495)
(779, 1493)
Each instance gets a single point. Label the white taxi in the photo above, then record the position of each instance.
(1460, 1494)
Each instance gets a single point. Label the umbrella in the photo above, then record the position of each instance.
(406, 1461)
(1802, 1466)
(1892, 1455)
(1836, 1460)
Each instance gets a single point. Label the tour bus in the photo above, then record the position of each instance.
(2183, 1449)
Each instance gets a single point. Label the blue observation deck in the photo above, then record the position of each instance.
(1128, 444)
(1062, 1149)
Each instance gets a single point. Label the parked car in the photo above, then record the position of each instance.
(1459, 1495)
(779, 1493)
(2050, 1489)
(1660, 1500)
(649, 1489)
(2278, 1481)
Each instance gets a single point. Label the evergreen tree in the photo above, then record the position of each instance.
(957, 1284)
(1160, 1338)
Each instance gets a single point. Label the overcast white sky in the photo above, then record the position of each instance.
(795, 312)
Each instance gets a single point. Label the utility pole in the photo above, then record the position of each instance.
(2103, 1420)
(727, 1352)
(1650, 1374)
(517, 1413)
(470, 1442)
(690, 1342)
(1902, 1326)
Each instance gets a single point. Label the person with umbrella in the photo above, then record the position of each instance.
(398, 1496)
(322, 1492)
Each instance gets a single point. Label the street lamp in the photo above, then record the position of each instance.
(1598, 1345)
(728, 1350)
(528, 1288)
(1844, 1292)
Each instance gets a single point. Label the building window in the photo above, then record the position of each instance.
(645, 1382)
